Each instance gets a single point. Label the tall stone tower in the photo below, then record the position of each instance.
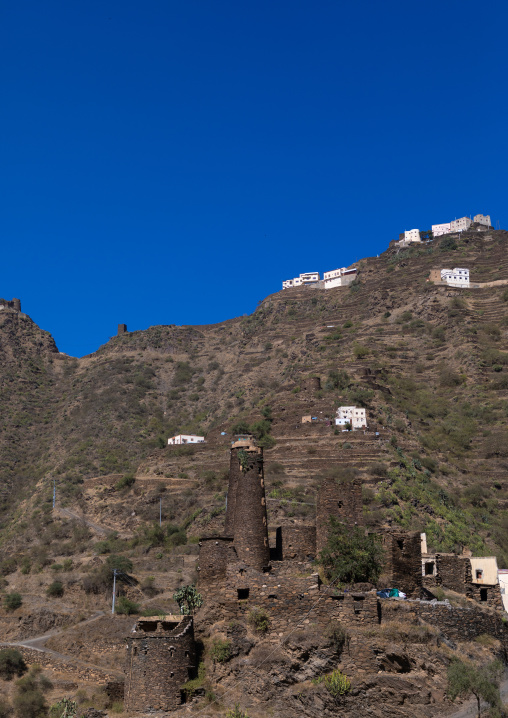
(161, 657)
(343, 500)
(246, 512)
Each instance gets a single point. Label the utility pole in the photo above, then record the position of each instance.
(114, 590)
(54, 493)
(160, 511)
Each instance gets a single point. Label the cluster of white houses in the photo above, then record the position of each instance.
(456, 225)
(334, 278)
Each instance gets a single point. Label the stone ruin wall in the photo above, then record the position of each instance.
(403, 565)
(234, 475)
(215, 552)
(158, 663)
(295, 543)
(342, 500)
(250, 519)
(14, 304)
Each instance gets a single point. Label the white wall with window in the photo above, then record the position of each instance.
(458, 277)
(186, 439)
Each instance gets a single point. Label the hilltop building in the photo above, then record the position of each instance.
(352, 415)
(483, 219)
(439, 229)
(303, 280)
(13, 304)
(460, 225)
(339, 277)
(410, 235)
(186, 439)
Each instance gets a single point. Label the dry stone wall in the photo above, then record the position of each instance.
(159, 661)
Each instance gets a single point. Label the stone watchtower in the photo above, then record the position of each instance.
(161, 657)
(246, 518)
(343, 500)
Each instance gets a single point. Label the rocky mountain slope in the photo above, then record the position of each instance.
(429, 363)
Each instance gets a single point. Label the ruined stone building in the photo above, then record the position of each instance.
(161, 657)
(13, 304)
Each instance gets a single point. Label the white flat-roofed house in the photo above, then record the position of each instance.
(458, 277)
(309, 277)
(339, 277)
(460, 225)
(303, 279)
(353, 415)
(186, 439)
(484, 570)
(483, 219)
(439, 229)
(412, 235)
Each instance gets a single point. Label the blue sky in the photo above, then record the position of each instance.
(171, 162)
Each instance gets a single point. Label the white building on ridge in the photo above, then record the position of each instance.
(439, 229)
(304, 279)
(412, 235)
(186, 439)
(483, 219)
(356, 417)
(460, 225)
(339, 277)
(455, 277)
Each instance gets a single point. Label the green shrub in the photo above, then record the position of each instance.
(448, 244)
(240, 427)
(125, 482)
(55, 589)
(336, 683)
(12, 601)
(125, 606)
(337, 379)
(347, 324)
(350, 556)
(11, 664)
(29, 701)
(360, 351)
(220, 651)
(236, 712)
(259, 619)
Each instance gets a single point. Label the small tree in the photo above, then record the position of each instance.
(482, 682)
(55, 589)
(188, 599)
(11, 664)
(351, 556)
(12, 601)
(125, 606)
(29, 701)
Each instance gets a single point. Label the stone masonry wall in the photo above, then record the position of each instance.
(158, 664)
(453, 572)
(250, 520)
(14, 304)
(486, 595)
(341, 500)
(234, 475)
(296, 542)
(290, 601)
(214, 554)
(403, 562)
(461, 624)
